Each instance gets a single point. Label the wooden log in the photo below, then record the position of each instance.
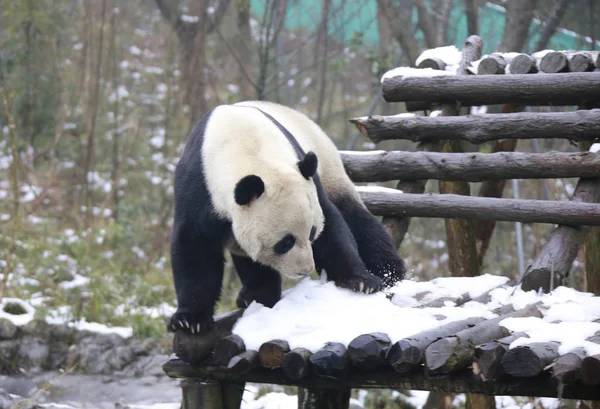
(331, 361)
(523, 64)
(488, 356)
(477, 129)
(554, 62)
(387, 378)
(296, 364)
(198, 394)
(493, 64)
(529, 360)
(195, 348)
(383, 166)
(557, 255)
(567, 368)
(324, 398)
(369, 351)
(581, 62)
(271, 353)
(549, 89)
(590, 370)
(434, 63)
(244, 362)
(481, 208)
(226, 348)
(457, 352)
(464, 298)
(408, 353)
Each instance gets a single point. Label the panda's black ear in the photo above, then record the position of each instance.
(248, 188)
(308, 165)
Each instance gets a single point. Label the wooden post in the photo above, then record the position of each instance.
(324, 398)
(201, 395)
(460, 234)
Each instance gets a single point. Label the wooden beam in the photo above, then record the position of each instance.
(384, 203)
(381, 166)
(548, 89)
(464, 381)
(577, 125)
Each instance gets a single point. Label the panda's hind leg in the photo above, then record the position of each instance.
(374, 243)
(260, 283)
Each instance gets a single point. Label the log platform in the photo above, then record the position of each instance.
(471, 355)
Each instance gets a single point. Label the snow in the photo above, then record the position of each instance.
(595, 147)
(377, 189)
(304, 317)
(17, 320)
(406, 72)
(77, 281)
(448, 54)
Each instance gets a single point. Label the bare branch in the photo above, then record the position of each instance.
(518, 19)
(556, 15)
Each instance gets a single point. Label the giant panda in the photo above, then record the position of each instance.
(265, 183)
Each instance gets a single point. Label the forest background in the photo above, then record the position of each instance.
(98, 96)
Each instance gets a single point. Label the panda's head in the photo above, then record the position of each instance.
(278, 216)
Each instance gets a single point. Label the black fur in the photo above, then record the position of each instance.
(308, 165)
(352, 245)
(248, 189)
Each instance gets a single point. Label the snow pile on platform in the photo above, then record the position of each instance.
(313, 312)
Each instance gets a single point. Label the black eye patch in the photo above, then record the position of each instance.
(284, 245)
(313, 232)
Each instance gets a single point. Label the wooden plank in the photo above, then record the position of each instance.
(576, 125)
(464, 381)
(548, 89)
(390, 203)
(382, 166)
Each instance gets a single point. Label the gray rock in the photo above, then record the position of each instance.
(8, 330)
(34, 354)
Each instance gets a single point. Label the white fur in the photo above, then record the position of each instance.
(240, 141)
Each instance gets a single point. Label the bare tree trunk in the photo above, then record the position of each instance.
(556, 15)
(472, 8)
(592, 28)
(117, 131)
(401, 26)
(243, 49)
(518, 19)
(321, 55)
(426, 24)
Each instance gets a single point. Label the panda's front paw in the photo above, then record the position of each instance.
(193, 323)
(264, 295)
(363, 284)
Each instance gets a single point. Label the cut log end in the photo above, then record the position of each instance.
(434, 63)
(523, 64)
(529, 360)
(554, 62)
(404, 357)
(581, 63)
(296, 363)
(271, 353)
(226, 348)
(331, 361)
(590, 370)
(244, 362)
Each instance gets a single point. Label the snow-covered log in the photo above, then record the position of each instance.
(226, 348)
(567, 368)
(331, 361)
(557, 255)
(488, 356)
(480, 208)
(471, 167)
(530, 360)
(575, 125)
(243, 362)
(195, 348)
(408, 353)
(368, 351)
(477, 90)
(590, 370)
(457, 351)
(296, 364)
(271, 353)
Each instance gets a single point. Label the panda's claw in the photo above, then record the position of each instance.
(181, 324)
(198, 328)
(361, 286)
(186, 323)
(368, 290)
